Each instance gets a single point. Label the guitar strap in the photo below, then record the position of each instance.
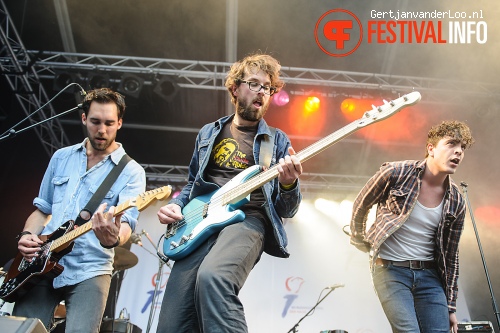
(266, 148)
(94, 202)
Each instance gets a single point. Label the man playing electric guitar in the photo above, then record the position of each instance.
(203, 287)
(73, 175)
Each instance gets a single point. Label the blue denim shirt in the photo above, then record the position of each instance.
(66, 188)
(279, 203)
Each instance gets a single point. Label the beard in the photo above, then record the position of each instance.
(100, 146)
(249, 112)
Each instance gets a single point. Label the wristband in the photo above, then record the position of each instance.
(288, 187)
(111, 246)
(22, 233)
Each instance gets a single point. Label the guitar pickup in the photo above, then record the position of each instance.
(184, 239)
(205, 210)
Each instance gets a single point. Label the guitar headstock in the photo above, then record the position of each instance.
(378, 113)
(145, 199)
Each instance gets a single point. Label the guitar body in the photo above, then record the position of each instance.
(206, 215)
(23, 275)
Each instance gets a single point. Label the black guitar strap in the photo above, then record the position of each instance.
(86, 213)
(266, 148)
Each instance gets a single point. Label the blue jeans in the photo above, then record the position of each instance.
(413, 300)
(85, 303)
(202, 290)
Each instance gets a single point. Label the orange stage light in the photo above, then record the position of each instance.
(311, 104)
(399, 127)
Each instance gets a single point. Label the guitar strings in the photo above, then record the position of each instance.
(129, 203)
(243, 188)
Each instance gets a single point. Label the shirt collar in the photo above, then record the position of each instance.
(115, 155)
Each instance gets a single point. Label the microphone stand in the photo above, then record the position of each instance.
(157, 282)
(12, 132)
(495, 307)
(294, 328)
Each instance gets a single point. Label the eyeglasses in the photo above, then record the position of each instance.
(256, 86)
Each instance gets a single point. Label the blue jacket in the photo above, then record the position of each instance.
(279, 203)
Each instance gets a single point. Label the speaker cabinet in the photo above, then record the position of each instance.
(11, 324)
(476, 326)
(118, 326)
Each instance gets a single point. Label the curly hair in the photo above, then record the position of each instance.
(104, 96)
(252, 64)
(450, 128)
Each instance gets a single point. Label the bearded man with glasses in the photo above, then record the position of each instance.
(202, 291)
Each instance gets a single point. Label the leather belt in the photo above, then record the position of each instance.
(413, 264)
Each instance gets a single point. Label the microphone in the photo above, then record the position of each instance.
(145, 233)
(135, 239)
(82, 93)
(335, 286)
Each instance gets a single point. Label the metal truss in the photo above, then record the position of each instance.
(24, 69)
(211, 75)
(17, 68)
(177, 176)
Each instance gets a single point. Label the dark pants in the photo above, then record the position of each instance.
(85, 303)
(202, 291)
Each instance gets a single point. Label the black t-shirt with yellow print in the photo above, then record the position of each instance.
(233, 153)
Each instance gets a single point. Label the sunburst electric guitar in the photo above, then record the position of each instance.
(209, 213)
(24, 274)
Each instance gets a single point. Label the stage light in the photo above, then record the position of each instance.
(281, 98)
(355, 108)
(348, 105)
(97, 81)
(166, 88)
(63, 79)
(131, 85)
(326, 206)
(311, 104)
(400, 127)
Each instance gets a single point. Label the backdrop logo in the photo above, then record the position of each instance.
(155, 292)
(292, 285)
(338, 32)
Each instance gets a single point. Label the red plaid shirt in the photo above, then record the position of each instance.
(395, 188)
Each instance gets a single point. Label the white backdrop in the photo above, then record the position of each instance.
(279, 292)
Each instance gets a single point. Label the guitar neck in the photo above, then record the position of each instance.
(303, 155)
(70, 236)
(372, 116)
